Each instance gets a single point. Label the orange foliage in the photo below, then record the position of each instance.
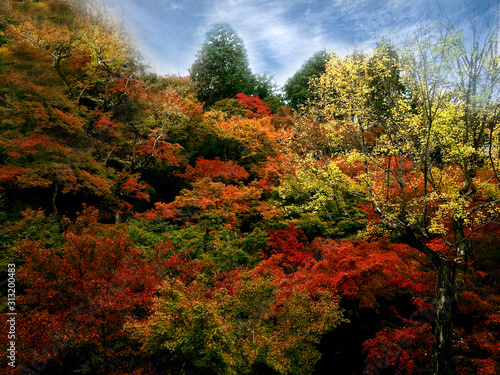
(216, 170)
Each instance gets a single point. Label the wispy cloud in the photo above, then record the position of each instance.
(279, 34)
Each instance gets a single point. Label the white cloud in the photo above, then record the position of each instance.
(272, 39)
(279, 34)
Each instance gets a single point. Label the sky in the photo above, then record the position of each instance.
(280, 35)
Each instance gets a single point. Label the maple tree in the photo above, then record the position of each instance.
(78, 296)
(216, 170)
(256, 107)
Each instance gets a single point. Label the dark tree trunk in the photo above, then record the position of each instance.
(450, 278)
(54, 197)
(445, 306)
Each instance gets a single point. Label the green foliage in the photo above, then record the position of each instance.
(297, 88)
(221, 69)
(4, 39)
(145, 233)
(321, 188)
(231, 107)
(316, 224)
(208, 241)
(267, 89)
(265, 86)
(237, 328)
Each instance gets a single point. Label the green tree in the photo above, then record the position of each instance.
(221, 69)
(268, 90)
(297, 87)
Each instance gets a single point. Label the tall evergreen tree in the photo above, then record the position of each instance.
(221, 69)
(297, 87)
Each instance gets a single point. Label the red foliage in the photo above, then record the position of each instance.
(157, 149)
(256, 108)
(369, 269)
(360, 272)
(273, 170)
(8, 174)
(160, 212)
(405, 349)
(106, 128)
(136, 190)
(370, 212)
(130, 187)
(185, 269)
(438, 244)
(291, 243)
(477, 346)
(82, 293)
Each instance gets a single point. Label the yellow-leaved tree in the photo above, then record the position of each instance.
(414, 134)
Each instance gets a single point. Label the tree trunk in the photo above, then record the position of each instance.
(448, 287)
(54, 197)
(443, 332)
(450, 282)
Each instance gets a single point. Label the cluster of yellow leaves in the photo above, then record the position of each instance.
(244, 323)
(410, 157)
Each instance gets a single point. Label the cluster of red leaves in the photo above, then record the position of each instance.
(184, 268)
(8, 174)
(160, 211)
(477, 345)
(371, 215)
(135, 189)
(81, 294)
(106, 128)
(367, 270)
(407, 350)
(357, 271)
(290, 243)
(129, 186)
(438, 244)
(256, 108)
(273, 170)
(159, 150)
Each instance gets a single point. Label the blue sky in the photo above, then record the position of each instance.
(280, 35)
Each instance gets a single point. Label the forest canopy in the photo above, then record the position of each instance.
(209, 224)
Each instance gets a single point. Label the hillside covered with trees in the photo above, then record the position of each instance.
(216, 224)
